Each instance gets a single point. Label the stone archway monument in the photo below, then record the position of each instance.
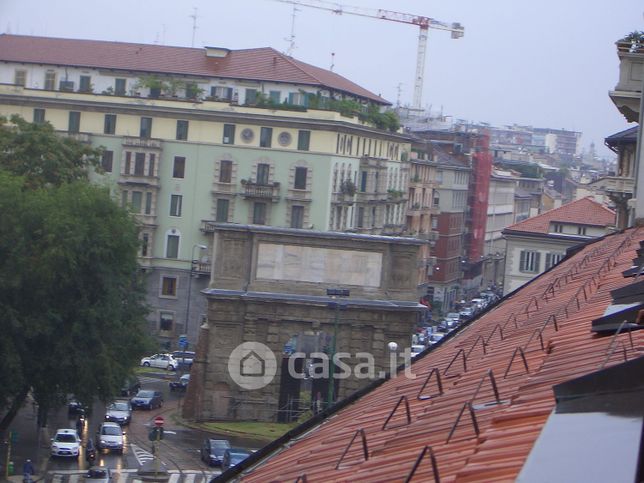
(269, 286)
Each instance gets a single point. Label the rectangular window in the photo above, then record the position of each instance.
(66, 86)
(251, 96)
(175, 205)
(360, 220)
(145, 244)
(297, 217)
(74, 122)
(265, 137)
(172, 246)
(259, 213)
(166, 321)
(107, 161)
(363, 181)
(182, 130)
(148, 203)
(179, 167)
(263, 171)
(39, 116)
(300, 178)
(303, 140)
(151, 164)
(137, 201)
(222, 210)
(229, 134)
(50, 80)
(128, 163)
(109, 126)
(139, 164)
(119, 87)
(169, 286)
(85, 84)
(146, 128)
(558, 228)
(20, 78)
(225, 171)
(553, 258)
(124, 198)
(581, 230)
(529, 261)
(222, 93)
(275, 97)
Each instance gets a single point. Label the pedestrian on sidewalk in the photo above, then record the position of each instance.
(27, 471)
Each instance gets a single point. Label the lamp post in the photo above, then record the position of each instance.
(192, 266)
(334, 293)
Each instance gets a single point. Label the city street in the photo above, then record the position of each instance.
(179, 450)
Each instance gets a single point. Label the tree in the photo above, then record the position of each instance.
(73, 318)
(35, 151)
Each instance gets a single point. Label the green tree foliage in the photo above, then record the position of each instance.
(73, 318)
(36, 152)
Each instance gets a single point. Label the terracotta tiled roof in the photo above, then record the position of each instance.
(265, 64)
(584, 211)
(548, 319)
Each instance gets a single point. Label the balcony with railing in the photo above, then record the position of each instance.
(264, 191)
(628, 90)
(615, 184)
(139, 179)
(134, 142)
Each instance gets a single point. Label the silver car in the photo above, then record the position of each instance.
(119, 412)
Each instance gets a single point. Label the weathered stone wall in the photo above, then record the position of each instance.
(242, 308)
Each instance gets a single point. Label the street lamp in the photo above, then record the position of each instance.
(334, 293)
(192, 266)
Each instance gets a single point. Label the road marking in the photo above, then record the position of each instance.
(141, 454)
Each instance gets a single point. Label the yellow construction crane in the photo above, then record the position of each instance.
(424, 23)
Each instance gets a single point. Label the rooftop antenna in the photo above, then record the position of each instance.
(291, 38)
(194, 26)
(332, 61)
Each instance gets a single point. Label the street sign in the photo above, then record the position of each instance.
(158, 421)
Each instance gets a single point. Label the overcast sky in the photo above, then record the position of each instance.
(546, 63)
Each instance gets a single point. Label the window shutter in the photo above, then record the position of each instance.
(522, 266)
(548, 260)
(537, 262)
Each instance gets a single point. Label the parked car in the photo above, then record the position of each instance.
(119, 412)
(212, 451)
(162, 361)
(466, 313)
(110, 437)
(233, 456)
(131, 386)
(99, 474)
(180, 384)
(65, 442)
(184, 358)
(436, 337)
(147, 399)
(417, 349)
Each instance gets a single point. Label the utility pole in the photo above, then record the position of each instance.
(291, 38)
(334, 293)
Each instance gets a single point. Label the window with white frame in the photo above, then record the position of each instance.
(20, 78)
(553, 258)
(166, 321)
(172, 244)
(529, 261)
(175, 205)
(168, 286)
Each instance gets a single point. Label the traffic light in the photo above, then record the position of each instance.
(155, 434)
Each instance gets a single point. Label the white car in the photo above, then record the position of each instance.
(109, 436)
(162, 361)
(417, 349)
(66, 442)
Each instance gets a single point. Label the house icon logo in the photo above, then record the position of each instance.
(252, 365)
